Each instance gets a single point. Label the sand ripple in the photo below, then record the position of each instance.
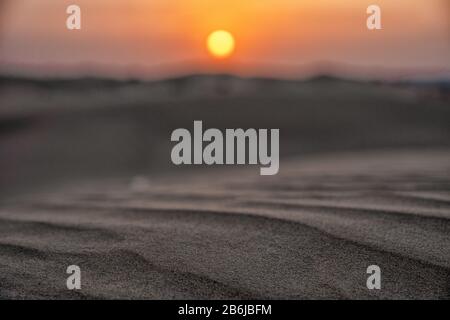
(310, 232)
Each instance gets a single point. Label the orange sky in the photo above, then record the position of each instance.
(158, 38)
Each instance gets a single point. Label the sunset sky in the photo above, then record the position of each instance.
(160, 38)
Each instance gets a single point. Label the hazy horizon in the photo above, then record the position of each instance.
(279, 39)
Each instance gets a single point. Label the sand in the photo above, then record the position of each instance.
(308, 233)
(364, 180)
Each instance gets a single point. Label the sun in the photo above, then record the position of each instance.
(221, 43)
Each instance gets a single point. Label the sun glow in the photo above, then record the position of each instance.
(221, 43)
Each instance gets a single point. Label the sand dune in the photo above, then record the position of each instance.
(308, 233)
(86, 180)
